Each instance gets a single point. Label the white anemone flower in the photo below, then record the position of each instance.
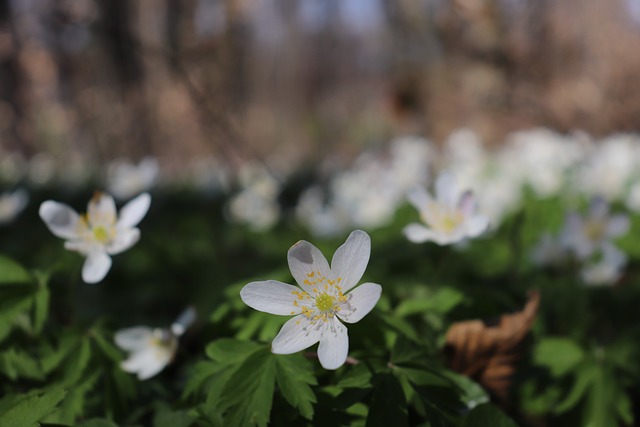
(152, 349)
(326, 296)
(99, 233)
(450, 218)
(584, 235)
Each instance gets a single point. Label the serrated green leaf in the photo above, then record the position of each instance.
(247, 397)
(486, 415)
(76, 363)
(210, 378)
(11, 272)
(73, 404)
(294, 376)
(388, 403)
(559, 355)
(31, 408)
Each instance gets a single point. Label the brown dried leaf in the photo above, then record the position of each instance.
(487, 350)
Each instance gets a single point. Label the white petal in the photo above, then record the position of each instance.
(135, 338)
(476, 225)
(95, 267)
(274, 297)
(418, 233)
(148, 362)
(447, 190)
(60, 219)
(306, 263)
(101, 210)
(78, 246)
(297, 334)
(123, 240)
(467, 203)
(350, 260)
(132, 213)
(618, 225)
(419, 197)
(334, 345)
(360, 302)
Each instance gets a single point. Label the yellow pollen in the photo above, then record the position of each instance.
(101, 235)
(324, 302)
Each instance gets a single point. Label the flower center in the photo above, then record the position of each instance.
(101, 234)
(594, 230)
(324, 302)
(450, 222)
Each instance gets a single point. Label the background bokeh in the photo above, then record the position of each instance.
(288, 82)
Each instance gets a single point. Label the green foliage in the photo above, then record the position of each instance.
(59, 365)
(28, 409)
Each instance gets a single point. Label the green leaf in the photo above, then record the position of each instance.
(210, 378)
(585, 376)
(40, 303)
(388, 403)
(11, 272)
(560, 355)
(441, 301)
(168, 418)
(470, 392)
(31, 408)
(52, 357)
(247, 396)
(18, 364)
(294, 375)
(74, 403)
(486, 415)
(97, 422)
(356, 376)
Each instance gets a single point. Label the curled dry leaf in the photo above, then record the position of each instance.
(488, 350)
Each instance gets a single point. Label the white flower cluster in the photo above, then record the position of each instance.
(539, 160)
(589, 240)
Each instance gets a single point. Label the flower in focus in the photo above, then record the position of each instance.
(99, 233)
(152, 349)
(583, 236)
(326, 296)
(450, 218)
(11, 204)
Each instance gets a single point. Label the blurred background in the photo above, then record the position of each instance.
(291, 81)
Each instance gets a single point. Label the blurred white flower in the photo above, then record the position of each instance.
(99, 233)
(543, 159)
(450, 218)
(257, 203)
(125, 179)
(327, 295)
(11, 204)
(608, 269)
(369, 193)
(151, 349)
(585, 235)
(610, 166)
